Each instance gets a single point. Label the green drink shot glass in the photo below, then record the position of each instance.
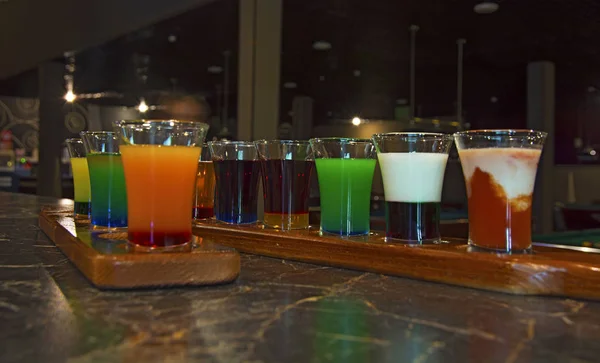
(345, 169)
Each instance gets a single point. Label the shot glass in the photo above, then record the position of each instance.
(499, 167)
(237, 170)
(345, 170)
(204, 196)
(81, 178)
(286, 167)
(412, 168)
(160, 159)
(107, 181)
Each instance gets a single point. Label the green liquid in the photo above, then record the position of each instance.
(109, 197)
(345, 188)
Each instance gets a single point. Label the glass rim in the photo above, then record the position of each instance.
(501, 132)
(74, 139)
(227, 142)
(98, 133)
(136, 122)
(282, 142)
(341, 139)
(409, 134)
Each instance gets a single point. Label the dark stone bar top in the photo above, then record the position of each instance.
(277, 311)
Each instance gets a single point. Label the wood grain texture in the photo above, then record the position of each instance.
(105, 260)
(548, 271)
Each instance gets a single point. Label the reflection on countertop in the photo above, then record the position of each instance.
(277, 311)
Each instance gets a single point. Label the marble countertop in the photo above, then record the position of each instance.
(277, 311)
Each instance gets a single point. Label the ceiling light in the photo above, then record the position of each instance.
(70, 96)
(486, 7)
(494, 99)
(321, 45)
(172, 38)
(215, 69)
(142, 107)
(356, 121)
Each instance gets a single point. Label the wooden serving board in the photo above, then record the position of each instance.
(547, 271)
(105, 259)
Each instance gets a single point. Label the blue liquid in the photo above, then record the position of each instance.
(236, 192)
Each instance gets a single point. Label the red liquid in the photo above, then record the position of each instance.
(159, 239)
(287, 185)
(497, 219)
(286, 191)
(204, 197)
(202, 212)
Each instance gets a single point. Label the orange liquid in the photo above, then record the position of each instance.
(160, 183)
(204, 198)
(500, 223)
(497, 219)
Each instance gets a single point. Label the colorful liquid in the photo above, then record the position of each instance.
(345, 189)
(204, 197)
(286, 185)
(81, 184)
(412, 222)
(412, 183)
(500, 185)
(109, 197)
(160, 189)
(82, 209)
(236, 191)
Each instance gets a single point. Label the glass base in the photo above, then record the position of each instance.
(96, 227)
(431, 241)
(184, 247)
(508, 251)
(82, 210)
(237, 223)
(201, 220)
(324, 233)
(201, 212)
(81, 222)
(286, 221)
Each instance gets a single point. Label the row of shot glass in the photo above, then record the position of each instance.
(499, 168)
(140, 176)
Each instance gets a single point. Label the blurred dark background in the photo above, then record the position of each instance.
(303, 68)
(352, 58)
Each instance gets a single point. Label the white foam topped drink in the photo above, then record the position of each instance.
(413, 177)
(500, 184)
(412, 169)
(412, 183)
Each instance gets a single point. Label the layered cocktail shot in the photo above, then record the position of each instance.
(286, 169)
(160, 159)
(237, 171)
(107, 180)
(412, 168)
(81, 178)
(499, 167)
(204, 197)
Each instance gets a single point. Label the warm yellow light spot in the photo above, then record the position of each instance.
(70, 96)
